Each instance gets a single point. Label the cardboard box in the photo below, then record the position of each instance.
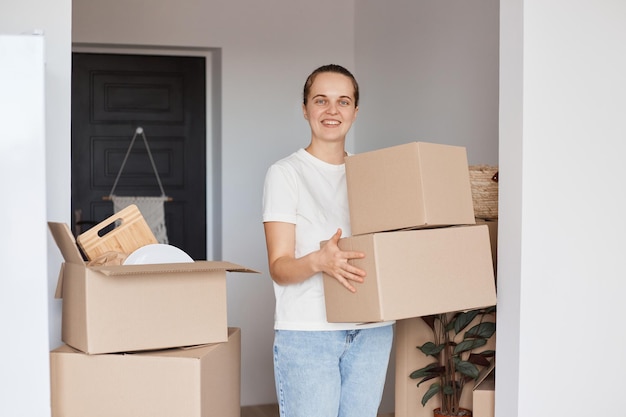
(109, 309)
(484, 394)
(413, 273)
(493, 236)
(409, 334)
(409, 186)
(202, 381)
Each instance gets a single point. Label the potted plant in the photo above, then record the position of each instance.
(457, 359)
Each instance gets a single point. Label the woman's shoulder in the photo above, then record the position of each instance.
(292, 161)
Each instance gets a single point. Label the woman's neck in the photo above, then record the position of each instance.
(332, 154)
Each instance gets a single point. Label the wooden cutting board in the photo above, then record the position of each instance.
(125, 231)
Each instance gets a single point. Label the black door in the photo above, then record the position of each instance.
(112, 95)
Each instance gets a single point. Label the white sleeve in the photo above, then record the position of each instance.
(280, 195)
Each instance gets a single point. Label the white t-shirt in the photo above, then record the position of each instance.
(312, 194)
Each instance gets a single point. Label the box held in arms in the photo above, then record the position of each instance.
(409, 186)
(124, 308)
(202, 381)
(413, 273)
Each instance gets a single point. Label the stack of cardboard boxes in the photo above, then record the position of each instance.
(412, 214)
(144, 340)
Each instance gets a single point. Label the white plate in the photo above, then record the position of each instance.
(157, 253)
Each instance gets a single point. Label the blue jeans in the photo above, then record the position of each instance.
(338, 373)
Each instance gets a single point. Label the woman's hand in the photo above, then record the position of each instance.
(285, 269)
(334, 262)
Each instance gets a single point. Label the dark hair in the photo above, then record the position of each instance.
(330, 68)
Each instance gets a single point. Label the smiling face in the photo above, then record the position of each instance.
(330, 107)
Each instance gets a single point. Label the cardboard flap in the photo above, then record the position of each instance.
(198, 266)
(66, 349)
(65, 241)
(485, 373)
(58, 293)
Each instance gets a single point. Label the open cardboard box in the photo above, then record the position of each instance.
(484, 394)
(414, 185)
(202, 381)
(414, 273)
(126, 308)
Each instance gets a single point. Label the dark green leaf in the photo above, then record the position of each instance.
(429, 348)
(428, 378)
(464, 319)
(449, 322)
(487, 353)
(481, 330)
(468, 345)
(428, 370)
(432, 391)
(467, 369)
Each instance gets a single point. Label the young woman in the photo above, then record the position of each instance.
(321, 369)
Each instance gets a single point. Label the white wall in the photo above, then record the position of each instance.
(27, 204)
(22, 168)
(510, 207)
(564, 106)
(53, 19)
(429, 71)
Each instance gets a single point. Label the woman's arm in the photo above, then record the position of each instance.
(285, 269)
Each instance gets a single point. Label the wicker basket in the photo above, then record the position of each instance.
(484, 183)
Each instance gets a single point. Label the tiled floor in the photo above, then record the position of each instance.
(271, 410)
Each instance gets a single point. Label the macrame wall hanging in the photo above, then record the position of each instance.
(151, 208)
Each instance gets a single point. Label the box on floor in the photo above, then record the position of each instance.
(484, 394)
(413, 185)
(411, 333)
(126, 308)
(413, 273)
(202, 381)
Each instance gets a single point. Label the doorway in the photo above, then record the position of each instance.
(112, 95)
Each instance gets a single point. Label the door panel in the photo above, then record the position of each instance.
(112, 95)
